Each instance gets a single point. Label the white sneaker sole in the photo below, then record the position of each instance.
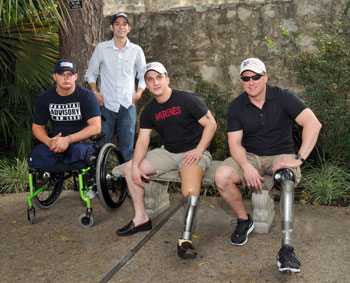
(287, 268)
(246, 240)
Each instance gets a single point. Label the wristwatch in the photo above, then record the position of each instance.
(297, 156)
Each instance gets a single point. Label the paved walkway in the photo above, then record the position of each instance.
(57, 249)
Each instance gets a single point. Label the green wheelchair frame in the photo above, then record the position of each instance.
(46, 184)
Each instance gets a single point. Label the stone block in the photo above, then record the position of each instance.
(263, 206)
(156, 197)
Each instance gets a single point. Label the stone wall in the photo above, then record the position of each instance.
(111, 7)
(214, 40)
(138, 6)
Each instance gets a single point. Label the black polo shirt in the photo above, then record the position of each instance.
(266, 131)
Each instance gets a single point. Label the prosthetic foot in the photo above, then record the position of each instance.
(185, 249)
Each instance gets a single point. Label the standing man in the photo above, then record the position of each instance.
(259, 126)
(119, 62)
(186, 127)
(74, 115)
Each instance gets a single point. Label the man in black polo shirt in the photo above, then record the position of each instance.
(259, 126)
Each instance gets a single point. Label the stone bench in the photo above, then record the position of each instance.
(157, 196)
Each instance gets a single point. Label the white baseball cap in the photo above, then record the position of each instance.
(253, 64)
(156, 66)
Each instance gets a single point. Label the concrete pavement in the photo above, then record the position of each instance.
(57, 249)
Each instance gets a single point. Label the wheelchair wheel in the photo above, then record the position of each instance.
(31, 214)
(111, 190)
(86, 221)
(54, 182)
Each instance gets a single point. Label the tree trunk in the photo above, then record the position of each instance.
(84, 30)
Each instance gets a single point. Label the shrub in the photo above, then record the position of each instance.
(13, 176)
(325, 183)
(325, 76)
(217, 101)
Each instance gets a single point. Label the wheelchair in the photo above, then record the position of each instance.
(46, 184)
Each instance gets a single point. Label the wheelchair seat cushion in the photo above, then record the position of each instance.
(60, 167)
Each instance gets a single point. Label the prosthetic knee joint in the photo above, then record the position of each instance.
(190, 212)
(284, 180)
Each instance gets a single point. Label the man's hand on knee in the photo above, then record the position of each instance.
(286, 162)
(253, 178)
(192, 157)
(136, 176)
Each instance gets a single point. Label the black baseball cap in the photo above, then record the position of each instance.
(64, 65)
(116, 16)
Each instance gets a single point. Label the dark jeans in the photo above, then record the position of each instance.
(125, 119)
(42, 156)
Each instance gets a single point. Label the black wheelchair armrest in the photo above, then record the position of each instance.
(98, 141)
(98, 137)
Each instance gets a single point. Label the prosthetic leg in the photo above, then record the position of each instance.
(185, 247)
(284, 180)
(190, 213)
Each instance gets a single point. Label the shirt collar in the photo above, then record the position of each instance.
(111, 44)
(270, 95)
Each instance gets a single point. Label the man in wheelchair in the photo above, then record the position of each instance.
(75, 117)
(74, 114)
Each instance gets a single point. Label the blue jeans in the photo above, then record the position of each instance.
(125, 119)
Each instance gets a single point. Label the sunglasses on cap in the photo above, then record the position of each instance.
(247, 78)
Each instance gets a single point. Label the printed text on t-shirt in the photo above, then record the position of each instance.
(176, 110)
(65, 112)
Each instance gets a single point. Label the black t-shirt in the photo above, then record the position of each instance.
(68, 114)
(176, 120)
(266, 131)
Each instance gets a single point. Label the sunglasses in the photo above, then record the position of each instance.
(255, 78)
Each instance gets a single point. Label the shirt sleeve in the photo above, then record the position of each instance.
(292, 104)
(41, 114)
(196, 104)
(92, 107)
(93, 69)
(141, 68)
(233, 122)
(145, 119)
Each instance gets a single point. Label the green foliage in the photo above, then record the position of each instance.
(217, 102)
(325, 183)
(13, 176)
(325, 75)
(210, 191)
(28, 52)
(35, 10)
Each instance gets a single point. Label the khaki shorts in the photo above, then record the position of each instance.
(163, 161)
(263, 164)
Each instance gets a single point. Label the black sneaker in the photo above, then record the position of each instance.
(186, 250)
(244, 227)
(286, 260)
